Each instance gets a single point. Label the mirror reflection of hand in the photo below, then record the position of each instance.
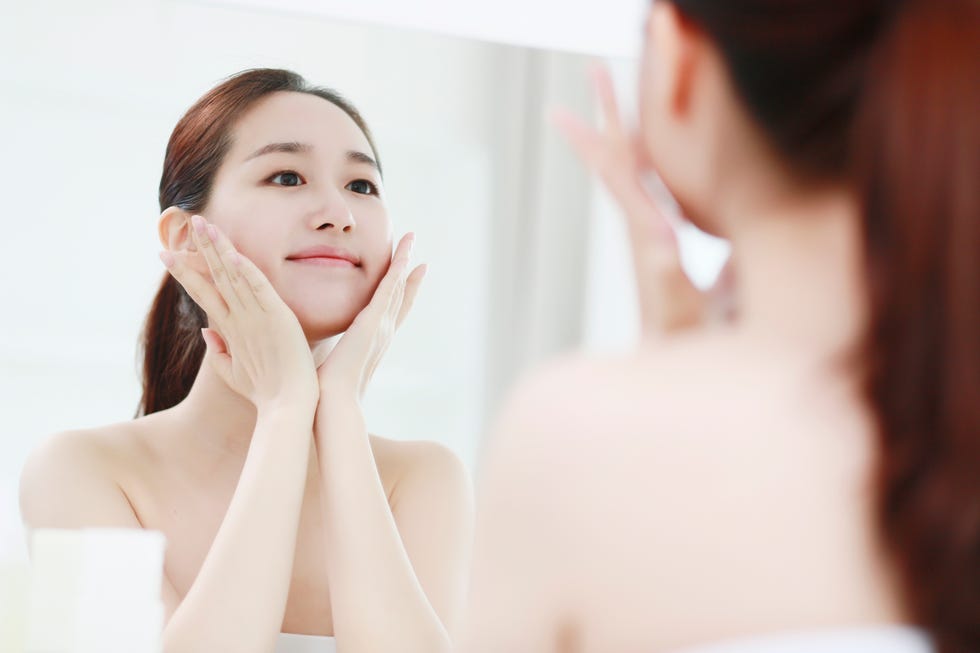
(348, 366)
(255, 342)
(668, 300)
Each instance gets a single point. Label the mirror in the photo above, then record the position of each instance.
(527, 257)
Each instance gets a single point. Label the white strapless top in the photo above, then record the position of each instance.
(292, 643)
(871, 639)
(867, 639)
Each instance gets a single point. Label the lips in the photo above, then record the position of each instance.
(326, 255)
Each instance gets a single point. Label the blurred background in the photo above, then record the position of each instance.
(527, 255)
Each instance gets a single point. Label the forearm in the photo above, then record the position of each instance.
(379, 605)
(238, 600)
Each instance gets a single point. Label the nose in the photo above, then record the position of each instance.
(333, 214)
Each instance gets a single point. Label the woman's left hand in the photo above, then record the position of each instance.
(347, 368)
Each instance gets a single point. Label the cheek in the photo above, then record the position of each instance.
(376, 239)
(244, 216)
(255, 239)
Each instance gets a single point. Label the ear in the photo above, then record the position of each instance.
(174, 229)
(677, 46)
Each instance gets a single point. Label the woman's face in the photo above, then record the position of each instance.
(300, 175)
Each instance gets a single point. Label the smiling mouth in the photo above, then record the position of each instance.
(324, 261)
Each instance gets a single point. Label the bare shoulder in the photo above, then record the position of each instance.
(610, 481)
(71, 479)
(636, 424)
(407, 464)
(656, 382)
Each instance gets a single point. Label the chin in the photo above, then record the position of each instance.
(703, 222)
(691, 211)
(321, 322)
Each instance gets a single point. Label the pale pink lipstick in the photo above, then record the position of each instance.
(325, 255)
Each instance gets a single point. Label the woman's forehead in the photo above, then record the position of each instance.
(299, 118)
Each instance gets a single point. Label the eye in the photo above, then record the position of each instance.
(286, 178)
(363, 187)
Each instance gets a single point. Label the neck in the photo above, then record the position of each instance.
(219, 419)
(798, 258)
(215, 416)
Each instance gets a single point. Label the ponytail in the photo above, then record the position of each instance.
(172, 347)
(916, 156)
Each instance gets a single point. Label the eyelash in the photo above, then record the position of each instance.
(371, 184)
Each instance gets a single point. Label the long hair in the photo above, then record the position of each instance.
(885, 95)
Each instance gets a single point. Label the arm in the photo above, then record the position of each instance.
(238, 599)
(259, 350)
(397, 574)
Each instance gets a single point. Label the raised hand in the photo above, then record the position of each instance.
(668, 301)
(254, 340)
(350, 364)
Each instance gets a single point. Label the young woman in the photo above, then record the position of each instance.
(288, 525)
(805, 476)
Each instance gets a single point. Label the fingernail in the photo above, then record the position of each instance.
(212, 232)
(167, 258)
(411, 243)
(198, 223)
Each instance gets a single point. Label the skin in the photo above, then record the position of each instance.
(282, 514)
(715, 481)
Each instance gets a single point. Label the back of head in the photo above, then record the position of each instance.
(883, 95)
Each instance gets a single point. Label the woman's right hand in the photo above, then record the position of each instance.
(255, 342)
(668, 300)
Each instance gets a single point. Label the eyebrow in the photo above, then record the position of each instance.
(360, 157)
(298, 148)
(291, 148)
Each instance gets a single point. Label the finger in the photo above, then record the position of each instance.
(197, 285)
(379, 317)
(218, 350)
(399, 293)
(203, 235)
(654, 246)
(583, 138)
(412, 285)
(231, 260)
(261, 289)
(386, 290)
(606, 95)
(612, 158)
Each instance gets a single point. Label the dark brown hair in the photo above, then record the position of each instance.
(171, 341)
(884, 95)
